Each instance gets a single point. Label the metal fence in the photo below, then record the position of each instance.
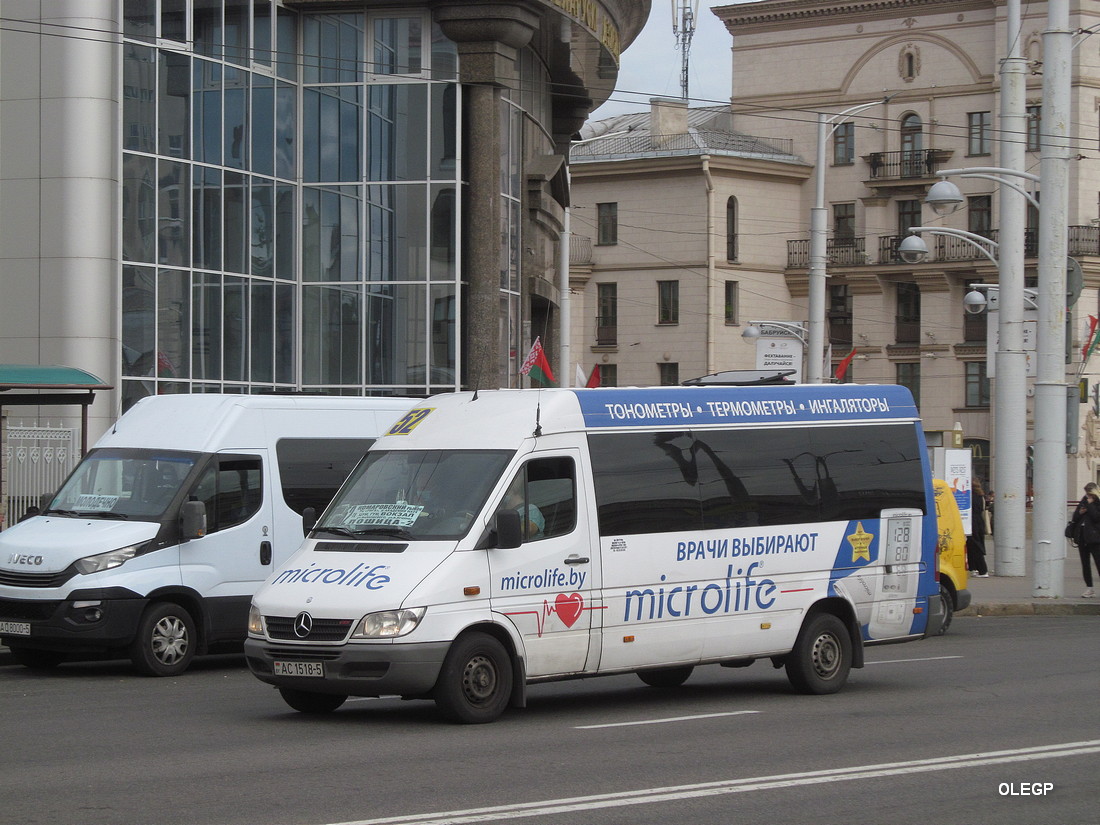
(36, 461)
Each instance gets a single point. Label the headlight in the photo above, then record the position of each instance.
(389, 624)
(255, 623)
(105, 561)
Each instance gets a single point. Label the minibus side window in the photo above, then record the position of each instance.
(311, 470)
(545, 490)
(232, 490)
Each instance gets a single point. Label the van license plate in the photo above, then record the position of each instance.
(15, 628)
(300, 669)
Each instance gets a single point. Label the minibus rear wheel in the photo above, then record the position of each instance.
(948, 607)
(475, 682)
(822, 656)
(165, 640)
(305, 701)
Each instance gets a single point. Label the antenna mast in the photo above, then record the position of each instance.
(683, 26)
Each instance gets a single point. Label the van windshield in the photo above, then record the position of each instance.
(415, 494)
(116, 483)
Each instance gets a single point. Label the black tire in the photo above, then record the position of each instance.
(165, 641)
(305, 701)
(822, 656)
(475, 682)
(666, 677)
(948, 607)
(36, 659)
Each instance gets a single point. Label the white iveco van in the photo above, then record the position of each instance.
(154, 545)
(494, 539)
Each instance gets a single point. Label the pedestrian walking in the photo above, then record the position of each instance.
(1086, 534)
(975, 542)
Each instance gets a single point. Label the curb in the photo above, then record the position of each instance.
(1038, 608)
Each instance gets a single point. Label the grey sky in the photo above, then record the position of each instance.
(651, 65)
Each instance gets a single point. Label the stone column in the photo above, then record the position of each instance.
(489, 37)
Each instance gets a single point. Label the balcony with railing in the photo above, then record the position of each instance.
(906, 165)
(1082, 241)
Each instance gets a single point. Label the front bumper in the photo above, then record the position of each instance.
(106, 621)
(408, 670)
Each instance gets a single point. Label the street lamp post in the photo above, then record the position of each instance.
(1010, 389)
(815, 331)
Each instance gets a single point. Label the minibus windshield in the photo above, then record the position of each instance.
(115, 483)
(414, 494)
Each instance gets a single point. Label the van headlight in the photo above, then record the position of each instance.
(106, 561)
(389, 624)
(255, 621)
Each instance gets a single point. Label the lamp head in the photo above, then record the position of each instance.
(944, 197)
(751, 333)
(913, 249)
(974, 302)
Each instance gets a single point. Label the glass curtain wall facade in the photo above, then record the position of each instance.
(290, 201)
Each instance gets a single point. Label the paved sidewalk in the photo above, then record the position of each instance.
(1014, 595)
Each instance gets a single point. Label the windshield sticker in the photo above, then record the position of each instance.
(409, 421)
(401, 514)
(95, 504)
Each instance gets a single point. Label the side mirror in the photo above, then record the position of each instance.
(509, 530)
(309, 520)
(192, 520)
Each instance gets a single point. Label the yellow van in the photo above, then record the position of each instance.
(951, 553)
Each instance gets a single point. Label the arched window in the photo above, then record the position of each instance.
(731, 229)
(912, 144)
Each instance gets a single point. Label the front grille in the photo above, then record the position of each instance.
(26, 611)
(302, 654)
(323, 630)
(20, 578)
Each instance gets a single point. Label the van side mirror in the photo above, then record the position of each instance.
(309, 520)
(509, 530)
(192, 520)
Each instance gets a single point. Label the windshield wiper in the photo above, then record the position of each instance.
(104, 514)
(396, 532)
(336, 531)
(61, 512)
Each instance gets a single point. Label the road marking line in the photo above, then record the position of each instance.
(674, 793)
(925, 659)
(662, 721)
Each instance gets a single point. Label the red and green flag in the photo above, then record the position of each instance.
(537, 368)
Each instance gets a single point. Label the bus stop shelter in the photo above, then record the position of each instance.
(34, 385)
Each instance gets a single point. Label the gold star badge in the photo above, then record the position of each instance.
(861, 543)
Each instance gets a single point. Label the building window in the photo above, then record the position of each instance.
(844, 224)
(912, 147)
(668, 302)
(908, 215)
(907, 329)
(732, 299)
(607, 315)
(669, 374)
(731, 229)
(840, 316)
(1034, 120)
(844, 144)
(978, 137)
(607, 226)
(980, 215)
(609, 375)
(908, 376)
(977, 384)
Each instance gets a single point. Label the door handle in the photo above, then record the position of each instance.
(265, 552)
(577, 560)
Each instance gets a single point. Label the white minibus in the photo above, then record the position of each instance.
(154, 545)
(491, 540)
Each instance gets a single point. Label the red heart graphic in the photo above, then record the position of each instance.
(568, 608)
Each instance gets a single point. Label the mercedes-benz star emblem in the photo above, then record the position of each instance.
(303, 624)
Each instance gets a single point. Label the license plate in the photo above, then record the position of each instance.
(15, 628)
(314, 669)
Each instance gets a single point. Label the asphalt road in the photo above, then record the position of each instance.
(994, 723)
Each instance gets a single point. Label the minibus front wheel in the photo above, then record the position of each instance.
(165, 641)
(822, 655)
(475, 682)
